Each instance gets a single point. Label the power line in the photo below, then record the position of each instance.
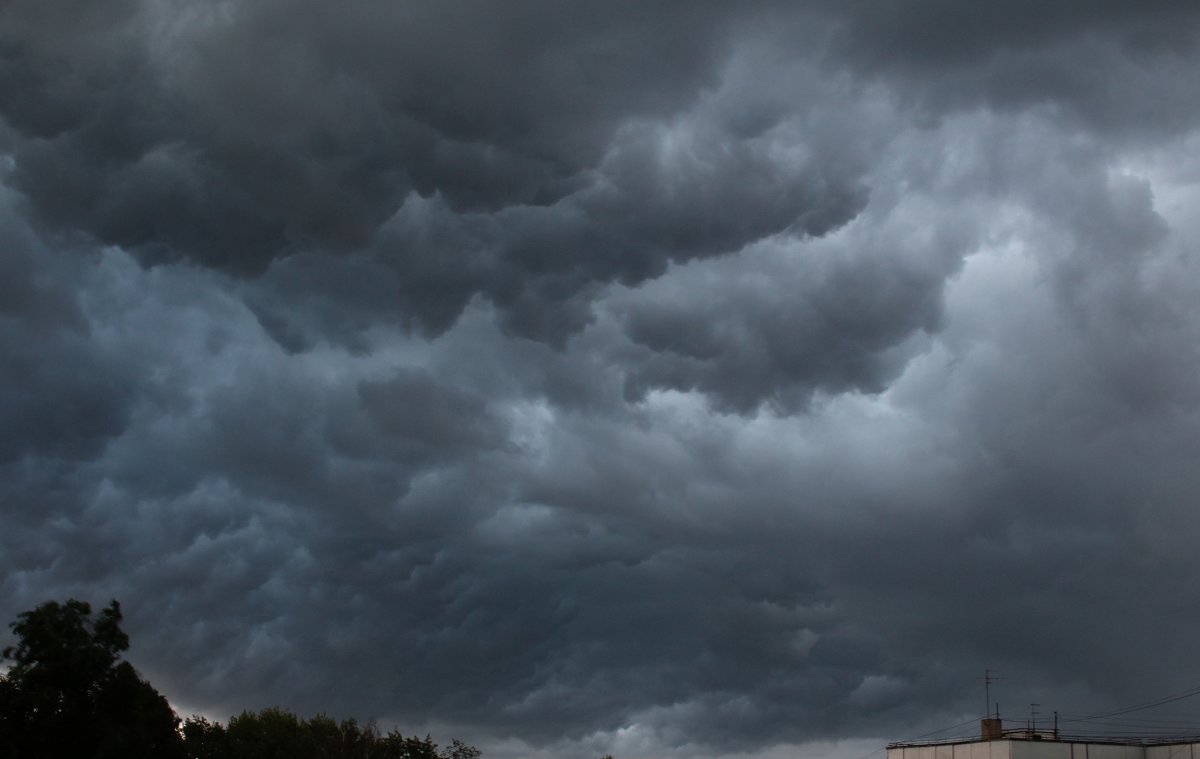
(1191, 692)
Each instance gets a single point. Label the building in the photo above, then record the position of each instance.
(994, 742)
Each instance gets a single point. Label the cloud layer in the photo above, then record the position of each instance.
(672, 379)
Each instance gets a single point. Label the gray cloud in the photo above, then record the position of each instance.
(67, 414)
(208, 141)
(597, 377)
(1111, 66)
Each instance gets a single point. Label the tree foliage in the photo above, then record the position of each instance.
(67, 694)
(274, 734)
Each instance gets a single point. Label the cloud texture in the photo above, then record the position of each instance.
(658, 379)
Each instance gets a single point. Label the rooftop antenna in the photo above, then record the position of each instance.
(989, 677)
(1033, 712)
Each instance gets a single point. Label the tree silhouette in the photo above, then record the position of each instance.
(204, 739)
(67, 694)
(273, 733)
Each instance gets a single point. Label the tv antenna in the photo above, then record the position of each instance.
(989, 677)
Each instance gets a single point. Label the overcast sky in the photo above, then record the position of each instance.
(669, 379)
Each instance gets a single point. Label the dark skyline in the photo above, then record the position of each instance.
(658, 379)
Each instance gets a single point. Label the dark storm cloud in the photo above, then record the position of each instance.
(250, 133)
(940, 34)
(604, 377)
(245, 136)
(777, 332)
(1117, 66)
(63, 394)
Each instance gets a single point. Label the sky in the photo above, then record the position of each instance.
(663, 379)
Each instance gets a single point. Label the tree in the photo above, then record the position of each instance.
(205, 740)
(460, 750)
(270, 734)
(67, 694)
(274, 733)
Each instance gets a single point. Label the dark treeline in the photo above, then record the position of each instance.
(278, 734)
(68, 694)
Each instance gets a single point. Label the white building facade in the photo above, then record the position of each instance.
(1039, 747)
